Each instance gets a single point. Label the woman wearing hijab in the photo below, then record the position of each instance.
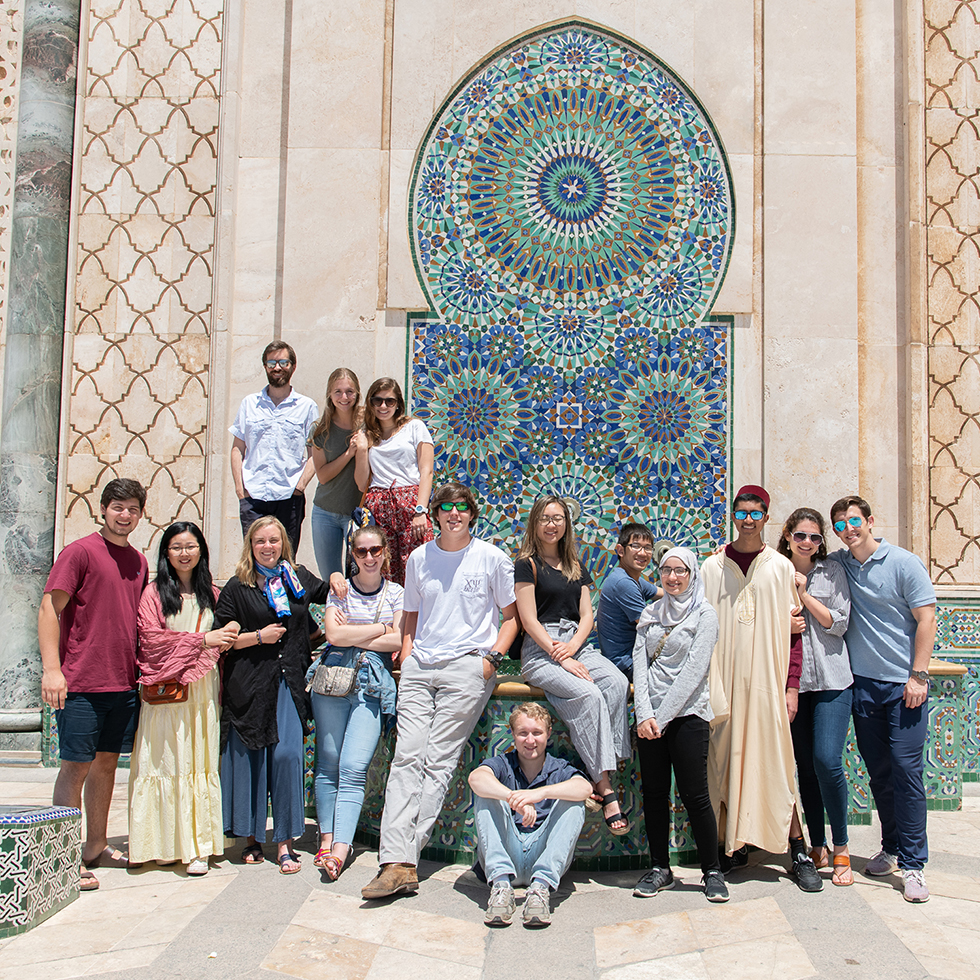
(675, 637)
(264, 706)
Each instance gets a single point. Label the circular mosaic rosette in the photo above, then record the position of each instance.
(572, 171)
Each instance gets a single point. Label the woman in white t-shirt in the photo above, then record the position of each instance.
(394, 464)
(364, 629)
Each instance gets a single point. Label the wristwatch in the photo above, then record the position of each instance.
(419, 509)
(921, 675)
(495, 657)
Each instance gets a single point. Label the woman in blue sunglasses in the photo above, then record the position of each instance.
(824, 710)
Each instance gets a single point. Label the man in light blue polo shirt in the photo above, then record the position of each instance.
(270, 461)
(625, 594)
(890, 640)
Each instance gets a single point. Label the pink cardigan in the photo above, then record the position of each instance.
(165, 654)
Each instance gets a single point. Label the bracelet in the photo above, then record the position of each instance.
(258, 637)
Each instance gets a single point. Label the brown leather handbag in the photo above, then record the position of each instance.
(167, 692)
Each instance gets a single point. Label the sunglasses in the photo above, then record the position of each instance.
(461, 505)
(840, 526)
(756, 515)
(375, 551)
(800, 536)
(378, 402)
(282, 362)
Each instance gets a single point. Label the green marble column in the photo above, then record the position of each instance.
(34, 344)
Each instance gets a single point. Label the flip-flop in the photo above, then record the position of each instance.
(842, 870)
(283, 858)
(253, 854)
(110, 857)
(89, 882)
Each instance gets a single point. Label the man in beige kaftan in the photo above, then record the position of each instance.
(751, 767)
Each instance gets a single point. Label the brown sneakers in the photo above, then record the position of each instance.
(392, 879)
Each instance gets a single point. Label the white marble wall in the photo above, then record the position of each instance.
(323, 107)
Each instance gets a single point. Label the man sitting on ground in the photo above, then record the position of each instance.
(529, 813)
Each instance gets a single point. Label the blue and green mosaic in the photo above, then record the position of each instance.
(571, 220)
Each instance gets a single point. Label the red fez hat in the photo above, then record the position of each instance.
(751, 490)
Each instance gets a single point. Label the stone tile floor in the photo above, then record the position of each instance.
(248, 923)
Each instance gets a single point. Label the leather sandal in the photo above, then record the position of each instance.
(252, 854)
(819, 857)
(616, 817)
(332, 866)
(842, 870)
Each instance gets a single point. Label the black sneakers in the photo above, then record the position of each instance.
(654, 881)
(715, 889)
(804, 873)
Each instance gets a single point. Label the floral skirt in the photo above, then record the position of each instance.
(393, 509)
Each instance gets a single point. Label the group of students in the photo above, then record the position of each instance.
(735, 663)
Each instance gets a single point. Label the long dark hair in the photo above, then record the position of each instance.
(168, 584)
(571, 566)
(798, 516)
(371, 424)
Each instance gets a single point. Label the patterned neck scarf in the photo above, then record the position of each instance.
(275, 590)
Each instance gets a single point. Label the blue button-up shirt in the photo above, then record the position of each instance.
(275, 442)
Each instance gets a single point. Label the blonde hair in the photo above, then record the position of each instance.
(571, 567)
(322, 428)
(534, 711)
(245, 570)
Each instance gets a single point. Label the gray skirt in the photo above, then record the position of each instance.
(595, 712)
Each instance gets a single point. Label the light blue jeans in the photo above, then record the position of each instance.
(328, 540)
(543, 853)
(347, 732)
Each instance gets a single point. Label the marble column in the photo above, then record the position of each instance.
(34, 344)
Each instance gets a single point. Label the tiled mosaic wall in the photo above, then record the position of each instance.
(958, 641)
(952, 188)
(146, 231)
(571, 220)
(40, 857)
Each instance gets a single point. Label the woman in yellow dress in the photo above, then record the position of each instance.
(174, 790)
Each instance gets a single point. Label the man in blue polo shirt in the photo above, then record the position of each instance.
(625, 594)
(270, 461)
(529, 813)
(890, 641)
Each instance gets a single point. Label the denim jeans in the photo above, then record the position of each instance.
(819, 730)
(328, 530)
(543, 853)
(891, 738)
(347, 732)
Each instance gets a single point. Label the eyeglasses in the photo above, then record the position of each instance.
(643, 549)
(375, 551)
(282, 362)
(668, 571)
(461, 505)
(379, 402)
(551, 519)
(180, 549)
(800, 536)
(841, 526)
(756, 515)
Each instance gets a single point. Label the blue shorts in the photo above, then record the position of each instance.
(90, 723)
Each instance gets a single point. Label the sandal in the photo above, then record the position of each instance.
(318, 858)
(332, 866)
(252, 854)
(283, 859)
(88, 882)
(818, 855)
(842, 870)
(110, 857)
(616, 817)
(593, 803)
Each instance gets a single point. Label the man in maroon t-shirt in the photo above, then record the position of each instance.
(86, 630)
